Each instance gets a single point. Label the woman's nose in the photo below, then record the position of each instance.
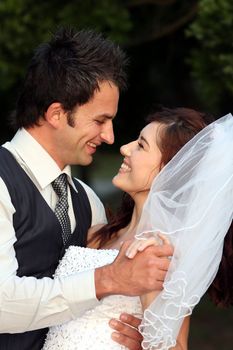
(126, 149)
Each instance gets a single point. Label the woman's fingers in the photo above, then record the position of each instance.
(164, 238)
(139, 245)
(150, 241)
(133, 249)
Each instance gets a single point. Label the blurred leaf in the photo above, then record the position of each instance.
(26, 23)
(212, 59)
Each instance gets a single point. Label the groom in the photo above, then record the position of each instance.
(64, 112)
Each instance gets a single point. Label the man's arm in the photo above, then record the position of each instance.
(133, 277)
(28, 303)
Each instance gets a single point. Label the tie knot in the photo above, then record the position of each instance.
(60, 185)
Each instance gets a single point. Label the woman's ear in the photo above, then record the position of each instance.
(54, 114)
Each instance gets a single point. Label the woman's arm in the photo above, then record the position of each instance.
(182, 339)
(147, 299)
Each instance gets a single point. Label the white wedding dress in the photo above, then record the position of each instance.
(90, 331)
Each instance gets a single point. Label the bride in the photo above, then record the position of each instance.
(148, 207)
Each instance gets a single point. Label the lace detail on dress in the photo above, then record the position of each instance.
(78, 259)
(90, 331)
(176, 307)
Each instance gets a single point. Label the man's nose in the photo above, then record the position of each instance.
(107, 135)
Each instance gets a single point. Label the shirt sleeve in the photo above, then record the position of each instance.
(28, 303)
(97, 208)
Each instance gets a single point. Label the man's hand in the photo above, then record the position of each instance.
(142, 274)
(127, 333)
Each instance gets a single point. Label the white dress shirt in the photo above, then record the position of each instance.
(28, 303)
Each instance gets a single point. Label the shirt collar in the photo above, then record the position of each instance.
(37, 160)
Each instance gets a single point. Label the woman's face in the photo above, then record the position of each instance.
(142, 161)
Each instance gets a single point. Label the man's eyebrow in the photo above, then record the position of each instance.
(106, 116)
(145, 140)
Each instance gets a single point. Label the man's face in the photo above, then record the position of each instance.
(91, 125)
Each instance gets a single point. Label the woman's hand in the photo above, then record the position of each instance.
(138, 245)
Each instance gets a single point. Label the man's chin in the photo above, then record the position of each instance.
(87, 161)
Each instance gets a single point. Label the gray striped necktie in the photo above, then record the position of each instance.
(61, 208)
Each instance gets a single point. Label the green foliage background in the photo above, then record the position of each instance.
(180, 51)
(212, 57)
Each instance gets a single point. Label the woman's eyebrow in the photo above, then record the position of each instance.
(145, 140)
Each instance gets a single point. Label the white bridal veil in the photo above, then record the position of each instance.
(191, 201)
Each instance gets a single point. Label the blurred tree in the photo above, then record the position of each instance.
(25, 23)
(212, 58)
(155, 19)
(152, 31)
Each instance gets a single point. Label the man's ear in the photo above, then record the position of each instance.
(54, 114)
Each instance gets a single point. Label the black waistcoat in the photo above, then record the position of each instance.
(39, 244)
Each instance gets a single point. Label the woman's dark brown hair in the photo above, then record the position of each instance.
(179, 126)
(221, 290)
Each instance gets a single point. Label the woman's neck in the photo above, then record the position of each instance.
(132, 226)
